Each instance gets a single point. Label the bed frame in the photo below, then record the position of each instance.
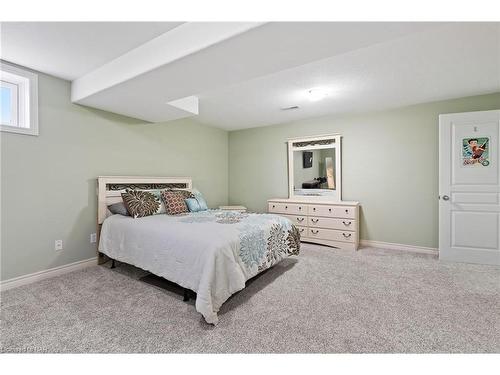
(110, 189)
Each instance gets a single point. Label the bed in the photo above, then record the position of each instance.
(212, 253)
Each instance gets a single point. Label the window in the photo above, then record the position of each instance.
(18, 100)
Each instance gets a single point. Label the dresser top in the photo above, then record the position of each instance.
(316, 202)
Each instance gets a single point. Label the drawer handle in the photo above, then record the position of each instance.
(300, 208)
(300, 219)
(348, 223)
(314, 231)
(346, 211)
(314, 208)
(314, 220)
(346, 235)
(330, 209)
(274, 206)
(301, 230)
(286, 207)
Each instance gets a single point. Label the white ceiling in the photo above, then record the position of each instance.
(448, 62)
(71, 49)
(244, 73)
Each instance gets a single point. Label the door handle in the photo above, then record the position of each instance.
(446, 198)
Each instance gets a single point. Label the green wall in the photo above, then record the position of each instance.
(389, 165)
(48, 182)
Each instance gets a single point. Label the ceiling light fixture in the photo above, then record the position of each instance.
(318, 93)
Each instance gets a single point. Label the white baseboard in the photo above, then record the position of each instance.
(397, 246)
(52, 272)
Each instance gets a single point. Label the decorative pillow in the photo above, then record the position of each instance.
(118, 209)
(185, 193)
(140, 203)
(201, 199)
(197, 203)
(157, 194)
(193, 205)
(174, 202)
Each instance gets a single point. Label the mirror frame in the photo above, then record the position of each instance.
(330, 141)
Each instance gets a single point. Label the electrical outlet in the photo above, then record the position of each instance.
(58, 245)
(93, 238)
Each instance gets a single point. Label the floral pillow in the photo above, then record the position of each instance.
(140, 203)
(174, 201)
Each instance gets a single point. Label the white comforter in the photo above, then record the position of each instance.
(212, 253)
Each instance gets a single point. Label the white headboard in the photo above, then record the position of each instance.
(110, 188)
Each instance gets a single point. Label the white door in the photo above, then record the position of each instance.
(469, 194)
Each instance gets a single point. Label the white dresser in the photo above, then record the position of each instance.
(328, 223)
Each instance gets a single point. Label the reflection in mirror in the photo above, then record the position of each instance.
(314, 172)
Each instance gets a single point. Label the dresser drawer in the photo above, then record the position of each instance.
(332, 211)
(302, 230)
(297, 219)
(287, 208)
(331, 223)
(331, 234)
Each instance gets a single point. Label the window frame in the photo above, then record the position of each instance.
(26, 101)
(14, 116)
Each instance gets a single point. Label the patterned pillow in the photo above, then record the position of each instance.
(185, 193)
(174, 201)
(140, 203)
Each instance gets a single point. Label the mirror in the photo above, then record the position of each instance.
(314, 168)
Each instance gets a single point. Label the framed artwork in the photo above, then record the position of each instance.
(307, 161)
(476, 152)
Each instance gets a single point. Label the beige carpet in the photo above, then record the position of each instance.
(325, 300)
